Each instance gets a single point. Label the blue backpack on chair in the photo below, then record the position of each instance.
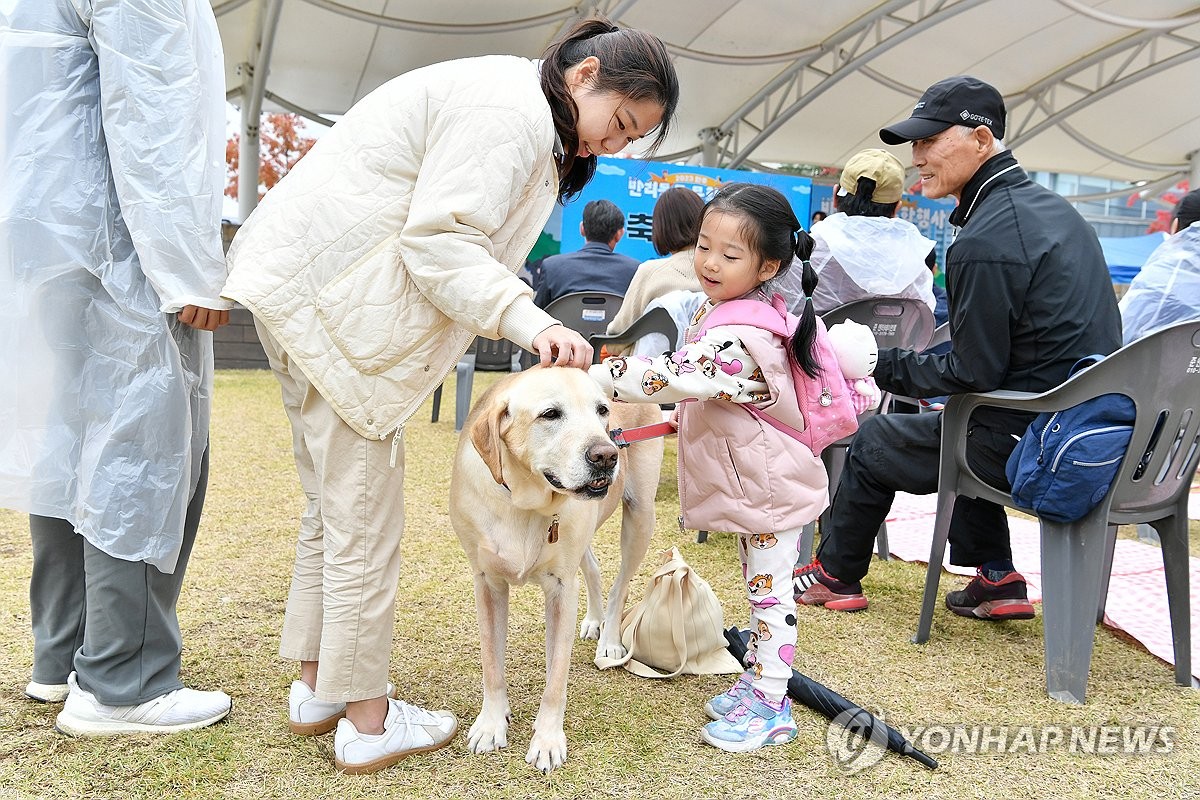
(1065, 463)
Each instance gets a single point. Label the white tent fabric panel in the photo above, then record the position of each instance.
(822, 77)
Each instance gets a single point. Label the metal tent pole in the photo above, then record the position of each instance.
(256, 67)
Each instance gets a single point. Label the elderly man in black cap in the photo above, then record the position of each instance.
(1029, 295)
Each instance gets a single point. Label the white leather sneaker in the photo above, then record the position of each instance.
(407, 729)
(47, 692)
(308, 716)
(180, 710)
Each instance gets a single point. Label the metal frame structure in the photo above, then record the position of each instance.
(1144, 49)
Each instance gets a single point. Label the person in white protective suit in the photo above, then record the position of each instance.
(111, 158)
(865, 250)
(1167, 289)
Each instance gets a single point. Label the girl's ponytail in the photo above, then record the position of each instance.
(806, 332)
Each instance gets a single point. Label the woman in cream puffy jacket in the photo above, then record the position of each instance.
(369, 269)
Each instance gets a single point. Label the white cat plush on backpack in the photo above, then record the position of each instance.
(857, 353)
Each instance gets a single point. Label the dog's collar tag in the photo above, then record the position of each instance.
(553, 530)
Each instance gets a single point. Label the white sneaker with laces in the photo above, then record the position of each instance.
(47, 692)
(308, 716)
(180, 710)
(407, 729)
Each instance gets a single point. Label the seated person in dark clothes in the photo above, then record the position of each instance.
(941, 308)
(941, 315)
(595, 268)
(1029, 295)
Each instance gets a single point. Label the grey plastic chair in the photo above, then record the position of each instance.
(941, 336)
(585, 312)
(656, 320)
(498, 355)
(896, 322)
(1161, 374)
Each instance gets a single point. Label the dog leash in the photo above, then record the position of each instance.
(624, 438)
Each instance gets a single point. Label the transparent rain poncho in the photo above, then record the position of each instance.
(858, 257)
(1167, 289)
(111, 163)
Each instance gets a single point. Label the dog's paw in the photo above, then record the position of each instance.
(610, 649)
(487, 734)
(547, 751)
(589, 629)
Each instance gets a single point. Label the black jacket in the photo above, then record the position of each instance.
(593, 268)
(1029, 295)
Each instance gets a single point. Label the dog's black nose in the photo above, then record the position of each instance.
(603, 455)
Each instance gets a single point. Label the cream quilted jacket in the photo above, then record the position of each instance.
(397, 238)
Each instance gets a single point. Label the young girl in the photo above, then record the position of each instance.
(369, 269)
(738, 472)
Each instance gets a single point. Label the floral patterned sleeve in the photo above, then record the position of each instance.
(715, 367)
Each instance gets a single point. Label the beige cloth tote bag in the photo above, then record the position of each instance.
(678, 627)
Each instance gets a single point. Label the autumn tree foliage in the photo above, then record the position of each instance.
(281, 145)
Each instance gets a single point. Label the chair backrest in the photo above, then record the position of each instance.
(940, 338)
(656, 320)
(895, 321)
(586, 312)
(941, 335)
(1161, 374)
(494, 355)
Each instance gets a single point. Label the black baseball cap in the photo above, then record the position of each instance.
(961, 100)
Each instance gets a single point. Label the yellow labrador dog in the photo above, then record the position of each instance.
(535, 474)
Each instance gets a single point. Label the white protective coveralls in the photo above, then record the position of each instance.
(858, 256)
(1167, 290)
(112, 141)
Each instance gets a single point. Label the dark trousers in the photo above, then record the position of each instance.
(900, 453)
(110, 620)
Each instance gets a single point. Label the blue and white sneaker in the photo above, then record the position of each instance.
(751, 725)
(723, 703)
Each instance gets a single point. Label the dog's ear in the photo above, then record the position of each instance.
(485, 435)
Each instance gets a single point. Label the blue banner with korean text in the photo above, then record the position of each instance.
(635, 186)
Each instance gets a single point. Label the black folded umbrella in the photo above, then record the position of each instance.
(820, 698)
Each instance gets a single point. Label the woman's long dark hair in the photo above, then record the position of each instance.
(676, 222)
(774, 234)
(633, 64)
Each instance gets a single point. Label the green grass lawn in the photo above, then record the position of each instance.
(628, 737)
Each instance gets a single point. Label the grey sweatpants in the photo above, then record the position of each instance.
(111, 621)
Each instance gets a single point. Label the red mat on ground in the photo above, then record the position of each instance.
(1137, 592)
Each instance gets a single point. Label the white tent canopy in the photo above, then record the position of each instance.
(1093, 87)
